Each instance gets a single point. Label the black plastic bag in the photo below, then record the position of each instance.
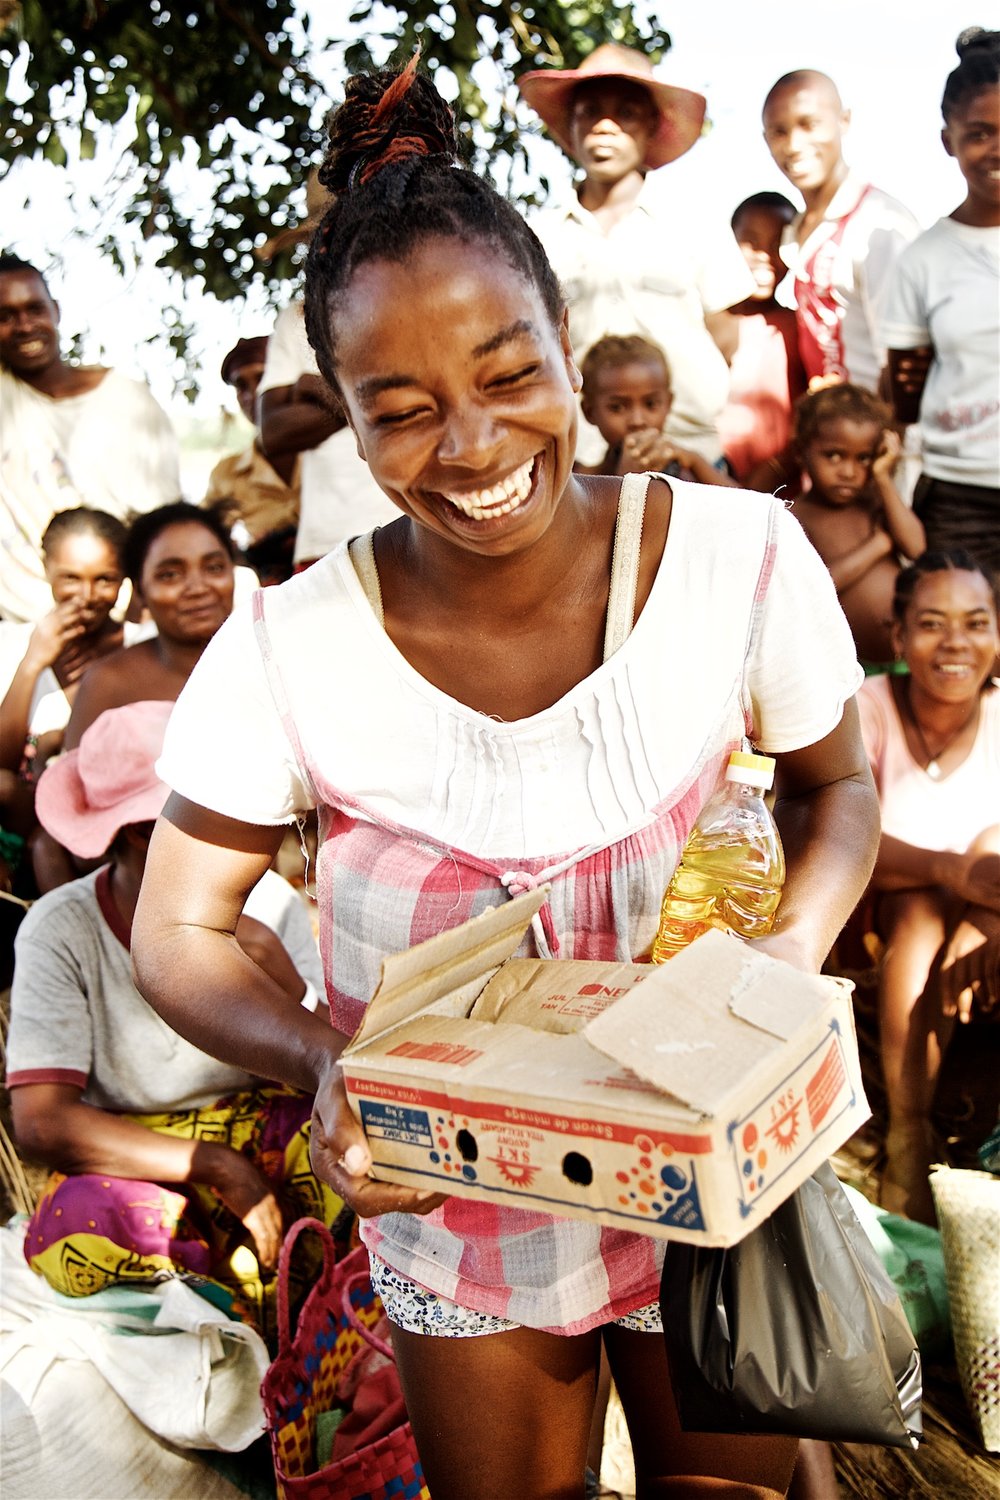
(795, 1330)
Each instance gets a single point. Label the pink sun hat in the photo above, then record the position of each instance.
(109, 780)
(549, 91)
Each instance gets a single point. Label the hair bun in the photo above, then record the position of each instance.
(386, 117)
(977, 39)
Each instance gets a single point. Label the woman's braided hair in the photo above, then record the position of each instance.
(391, 162)
(950, 559)
(978, 69)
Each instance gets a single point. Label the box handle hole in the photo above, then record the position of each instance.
(577, 1168)
(466, 1143)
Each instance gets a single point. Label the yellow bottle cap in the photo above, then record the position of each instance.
(756, 770)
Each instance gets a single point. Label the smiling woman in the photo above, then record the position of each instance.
(180, 562)
(933, 738)
(472, 716)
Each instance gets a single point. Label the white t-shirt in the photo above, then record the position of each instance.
(945, 291)
(77, 1018)
(585, 771)
(339, 497)
(656, 273)
(112, 448)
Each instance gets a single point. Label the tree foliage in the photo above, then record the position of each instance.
(218, 105)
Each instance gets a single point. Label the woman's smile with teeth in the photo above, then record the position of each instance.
(506, 495)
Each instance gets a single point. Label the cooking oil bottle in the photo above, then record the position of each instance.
(732, 869)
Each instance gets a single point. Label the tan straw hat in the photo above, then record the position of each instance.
(549, 91)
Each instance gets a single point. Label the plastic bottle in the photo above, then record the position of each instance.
(732, 869)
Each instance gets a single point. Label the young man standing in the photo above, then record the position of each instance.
(841, 247)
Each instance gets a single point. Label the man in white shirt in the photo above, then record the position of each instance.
(69, 435)
(842, 246)
(630, 258)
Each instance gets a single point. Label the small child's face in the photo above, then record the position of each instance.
(758, 234)
(839, 459)
(627, 398)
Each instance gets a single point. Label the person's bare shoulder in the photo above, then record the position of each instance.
(127, 675)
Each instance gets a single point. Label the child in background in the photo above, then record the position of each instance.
(627, 396)
(850, 509)
(766, 375)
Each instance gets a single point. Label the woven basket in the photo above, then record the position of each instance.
(968, 1210)
(336, 1319)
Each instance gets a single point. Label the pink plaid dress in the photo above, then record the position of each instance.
(429, 813)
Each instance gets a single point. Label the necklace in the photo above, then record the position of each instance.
(933, 767)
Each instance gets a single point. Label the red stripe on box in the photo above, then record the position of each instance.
(571, 1125)
(825, 1084)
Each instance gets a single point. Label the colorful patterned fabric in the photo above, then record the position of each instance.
(91, 1231)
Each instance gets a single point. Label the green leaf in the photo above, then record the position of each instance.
(182, 90)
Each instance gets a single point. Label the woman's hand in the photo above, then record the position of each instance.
(340, 1156)
(247, 1193)
(975, 877)
(908, 369)
(53, 633)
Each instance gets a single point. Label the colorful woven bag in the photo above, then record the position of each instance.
(335, 1322)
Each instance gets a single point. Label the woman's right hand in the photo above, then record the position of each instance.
(53, 634)
(340, 1156)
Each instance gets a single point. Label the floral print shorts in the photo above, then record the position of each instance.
(417, 1310)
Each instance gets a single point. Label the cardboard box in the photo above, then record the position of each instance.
(686, 1100)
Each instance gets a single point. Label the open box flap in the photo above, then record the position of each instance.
(700, 1024)
(414, 979)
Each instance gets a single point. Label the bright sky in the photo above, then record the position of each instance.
(889, 60)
